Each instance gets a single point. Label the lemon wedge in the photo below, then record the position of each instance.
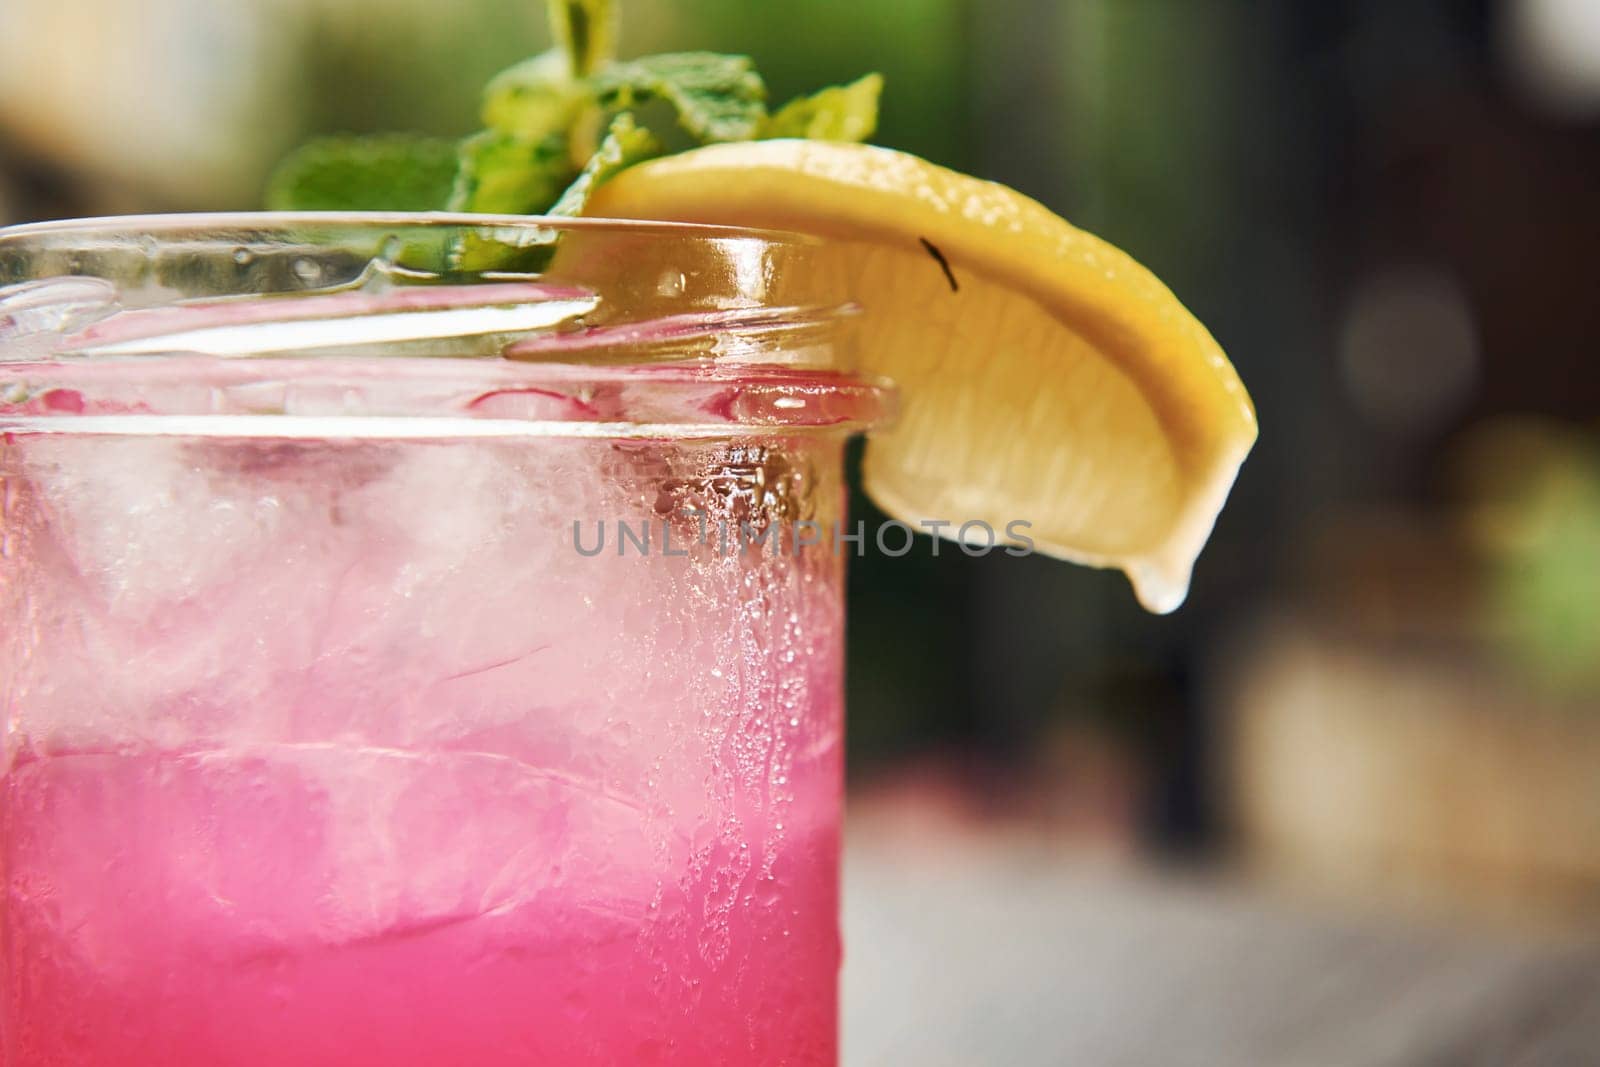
(1045, 376)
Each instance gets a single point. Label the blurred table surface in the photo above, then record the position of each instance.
(974, 951)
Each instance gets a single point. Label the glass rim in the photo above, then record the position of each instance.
(158, 223)
(729, 356)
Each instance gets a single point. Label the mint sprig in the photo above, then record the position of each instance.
(503, 174)
(715, 97)
(558, 125)
(838, 113)
(625, 144)
(586, 30)
(535, 98)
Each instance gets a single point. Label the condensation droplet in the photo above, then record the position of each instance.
(671, 283)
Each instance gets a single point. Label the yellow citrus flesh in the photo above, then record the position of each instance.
(1047, 377)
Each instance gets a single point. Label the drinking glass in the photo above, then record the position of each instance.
(420, 642)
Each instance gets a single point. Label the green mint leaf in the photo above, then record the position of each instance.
(585, 31)
(838, 113)
(521, 251)
(507, 175)
(625, 144)
(716, 97)
(545, 116)
(390, 172)
(534, 99)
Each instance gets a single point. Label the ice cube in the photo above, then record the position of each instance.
(183, 583)
(454, 595)
(144, 520)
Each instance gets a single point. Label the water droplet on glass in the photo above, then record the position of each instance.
(672, 283)
(307, 270)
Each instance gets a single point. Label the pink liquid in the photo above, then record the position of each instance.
(190, 909)
(333, 752)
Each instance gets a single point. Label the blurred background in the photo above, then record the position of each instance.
(1344, 807)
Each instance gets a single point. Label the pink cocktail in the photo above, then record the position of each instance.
(392, 702)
